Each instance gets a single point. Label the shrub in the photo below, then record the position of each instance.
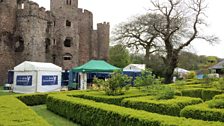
(167, 107)
(90, 113)
(216, 103)
(221, 96)
(14, 113)
(101, 97)
(219, 84)
(164, 92)
(115, 84)
(146, 79)
(194, 92)
(208, 94)
(203, 112)
(191, 75)
(205, 94)
(33, 99)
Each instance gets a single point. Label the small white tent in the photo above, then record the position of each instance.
(31, 77)
(134, 68)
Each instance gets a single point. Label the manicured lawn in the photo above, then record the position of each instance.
(2, 92)
(52, 118)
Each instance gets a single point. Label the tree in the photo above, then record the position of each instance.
(170, 26)
(180, 23)
(189, 61)
(137, 58)
(137, 34)
(119, 56)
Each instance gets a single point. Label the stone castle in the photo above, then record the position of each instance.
(64, 35)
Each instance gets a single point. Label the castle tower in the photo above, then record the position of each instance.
(103, 33)
(30, 32)
(65, 36)
(7, 25)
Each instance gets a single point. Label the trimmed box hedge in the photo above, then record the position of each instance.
(167, 107)
(208, 94)
(33, 99)
(205, 94)
(203, 112)
(14, 113)
(194, 92)
(221, 96)
(100, 96)
(91, 113)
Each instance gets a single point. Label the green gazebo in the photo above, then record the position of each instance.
(92, 66)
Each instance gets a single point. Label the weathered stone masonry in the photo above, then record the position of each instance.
(64, 35)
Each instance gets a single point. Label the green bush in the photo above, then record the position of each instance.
(221, 96)
(167, 107)
(91, 113)
(101, 97)
(116, 85)
(194, 92)
(219, 84)
(203, 112)
(33, 99)
(205, 94)
(14, 113)
(191, 75)
(163, 92)
(208, 94)
(216, 103)
(146, 79)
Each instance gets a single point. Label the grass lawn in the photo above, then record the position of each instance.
(51, 118)
(2, 92)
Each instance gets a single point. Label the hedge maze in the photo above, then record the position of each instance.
(135, 108)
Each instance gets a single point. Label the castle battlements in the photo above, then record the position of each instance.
(28, 8)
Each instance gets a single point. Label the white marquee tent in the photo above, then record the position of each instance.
(30, 77)
(134, 68)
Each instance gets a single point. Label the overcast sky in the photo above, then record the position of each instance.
(116, 11)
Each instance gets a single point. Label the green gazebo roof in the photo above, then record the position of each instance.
(95, 66)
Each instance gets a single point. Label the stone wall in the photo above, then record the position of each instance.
(85, 31)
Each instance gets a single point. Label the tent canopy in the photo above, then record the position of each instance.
(37, 66)
(95, 66)
(180, 70)
(134, 67)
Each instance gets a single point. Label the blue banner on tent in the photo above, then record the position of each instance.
(25, 80)
(49, 80)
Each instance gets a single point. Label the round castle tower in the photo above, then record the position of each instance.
(7, 25)
(103, 31)
(30, 32)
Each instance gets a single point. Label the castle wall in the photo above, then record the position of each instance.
(85, 18)
(94, 45)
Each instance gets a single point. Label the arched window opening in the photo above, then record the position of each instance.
(19, 46)
(68, 23)
(67, 56)
(69, 2)
(54, 58)
(68, 42)
(47, 45)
